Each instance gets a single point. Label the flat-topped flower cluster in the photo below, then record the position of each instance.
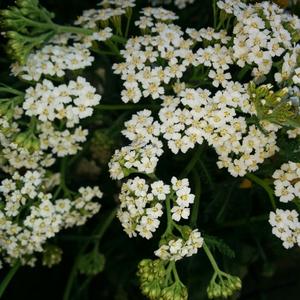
(234, 88)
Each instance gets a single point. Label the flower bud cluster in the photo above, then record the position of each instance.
(225, 287)
(155, 284)
(52, 255)
(91, 263)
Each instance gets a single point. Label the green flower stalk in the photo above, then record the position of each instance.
(222, 285)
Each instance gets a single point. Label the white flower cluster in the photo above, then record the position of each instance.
(177, 249)
(110, 11)
(76, 212)
(182, 199)
(189, 119)
(262, 33)
(140, 207)
(142, 72)
(54, 59)
(154, 64)
(151, 14)
(30, 217)
(209, 34)
(289, 70)
(15, 156)
(183, 3)
(140, 204)
(142, 158)
(61, 143)
(40, 126)
(293, 133)
(143, 153)
(69, 102)
(287, 181)
(179, 3)
(286, 226)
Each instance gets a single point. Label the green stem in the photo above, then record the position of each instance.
(115, 128)
(211, 258)
(106, 223)
(215, 13)
(113, 48)
(265, 186)
(63, 168)
(169, 216)
(225, 203)
(243, 71)
(103, 52)
(128, 22)
(83, 286)
(57, 28)
(71, 278)
(195, 209)
(168, 273)
(176, 276)
(118, 39)
(7, 89)
(206, 173)
(9, 276)
(72, 29)
(103, 227)
(191, 163)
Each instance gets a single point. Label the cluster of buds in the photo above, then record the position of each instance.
(152, 275)
(28, 140)
(91, 263)
(27, 26)
(275, 107)
(9, 104)
(177, 291)
(155, 281)
(101, 147)
(52, 255)
(225, 287)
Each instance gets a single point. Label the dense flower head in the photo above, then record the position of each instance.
(30, 215)
(55, 59)
(108, 11)
(140, 206)
(69, 103)
(287, 181)
(179, 248)
(231, 91)
(286, 226)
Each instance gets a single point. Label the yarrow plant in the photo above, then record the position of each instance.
(172, 125)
